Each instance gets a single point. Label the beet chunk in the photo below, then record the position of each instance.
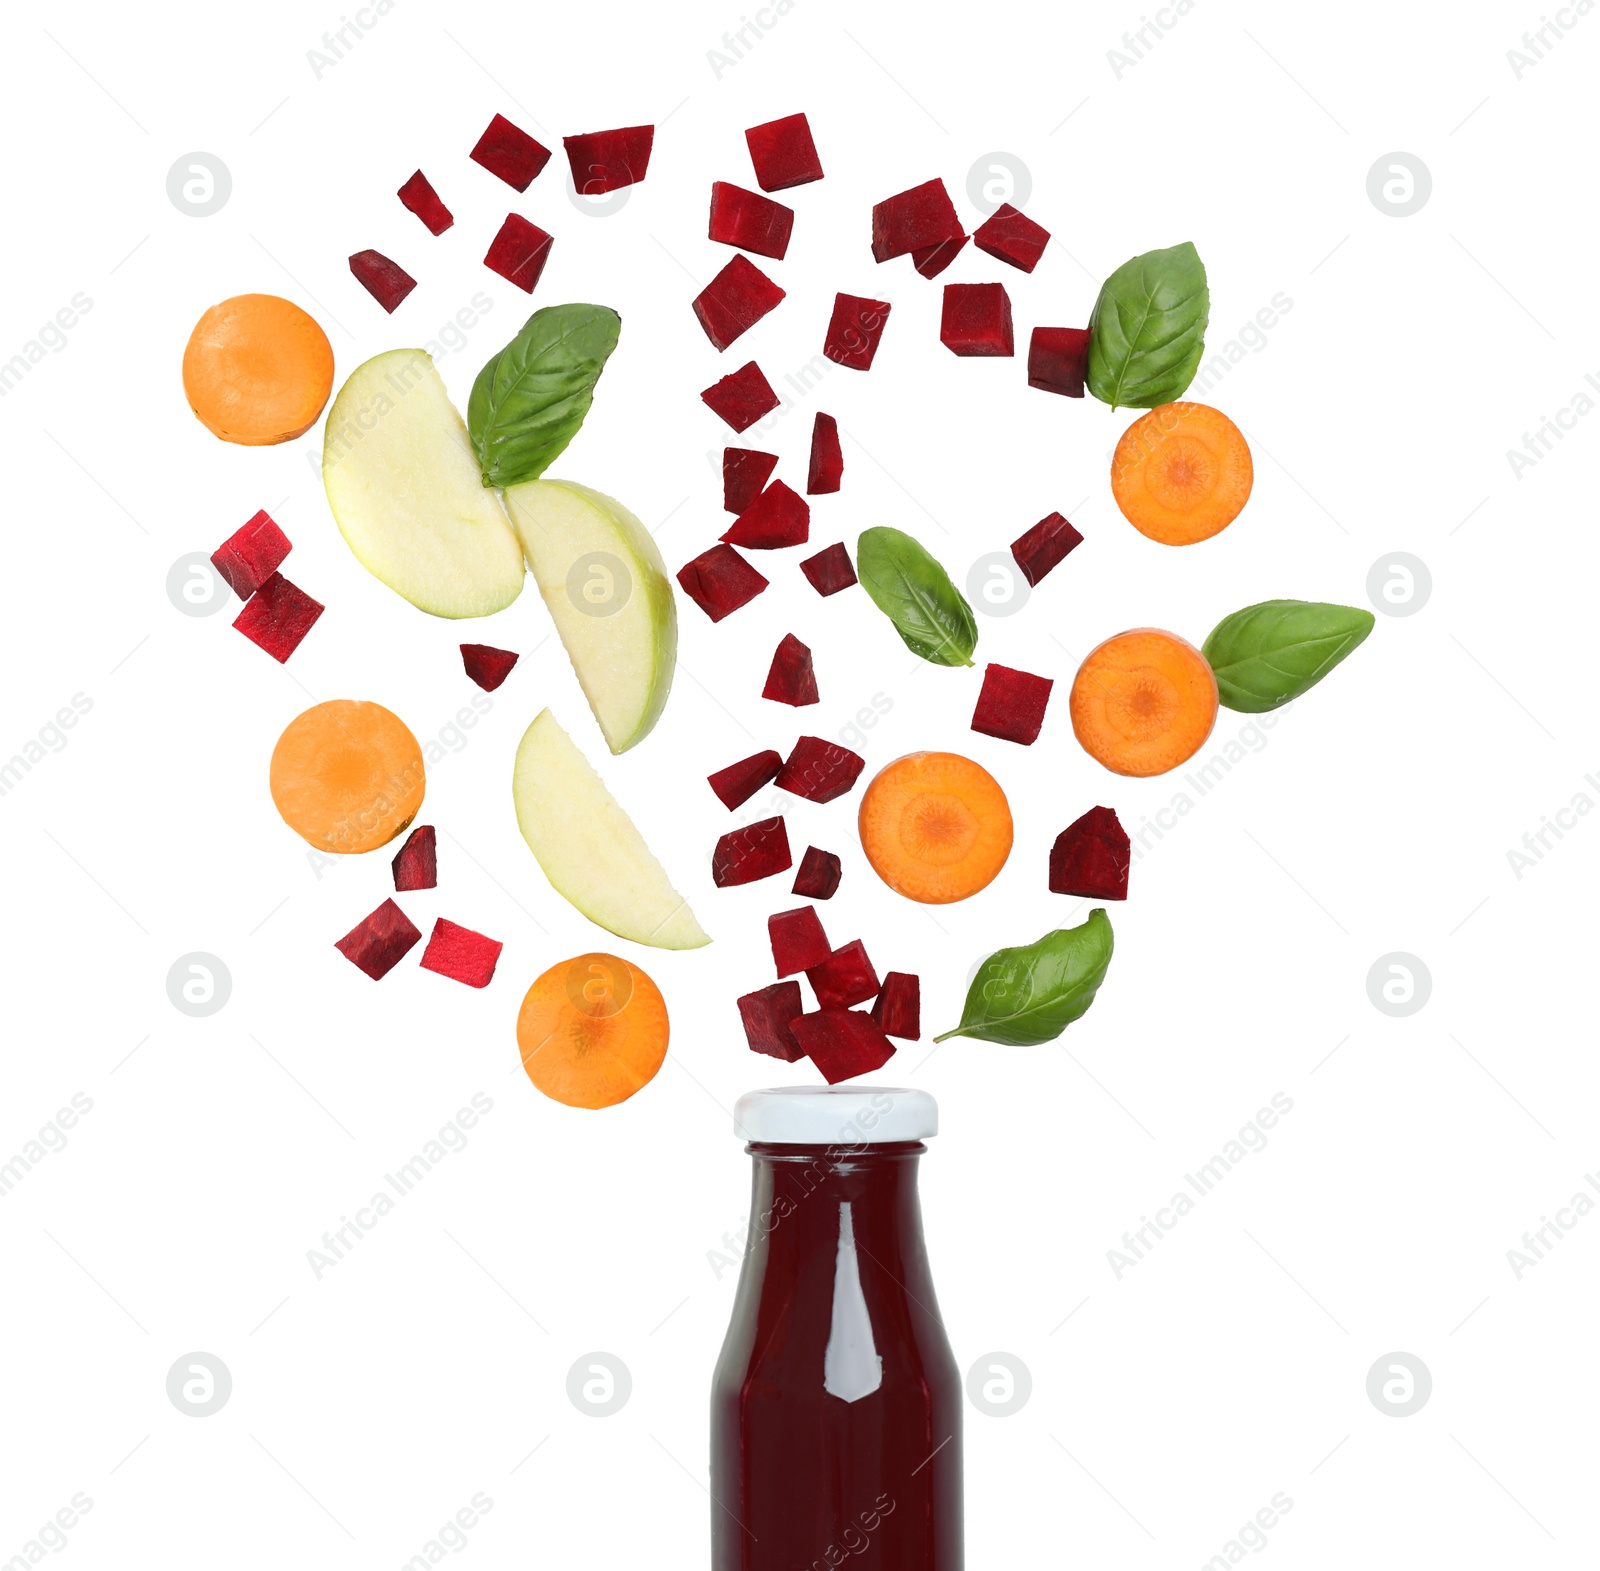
(1011, 704)
(976, 320)
(380, 941)
(791, 679)
(519, 252)
(778, 517)
(419, 197)
(854, 330)
(251, 555)
(719, 581)
(898, 1007)
(827, 458)
(819, 771)
(767, 1014)
(932, 260)
(1091, 857)
(416, 864)
(1043, 546)
(739, 782)
(734, 301)
(1058, 360)
(914, 220)
(830, 570)
(818, 878)
(605, 161)
(1012, 236)
(486, 665)
(387, 282)
(741, 397)
(798, 942)
(508, 151)
(744, 472)
(756, 851)
(842, 1043)
(751, 222)
(783, 153)
(277, 616)
(845, 977)
(461, 954)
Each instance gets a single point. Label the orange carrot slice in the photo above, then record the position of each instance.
(257, 370)
(1181, 473)
(1144, 702)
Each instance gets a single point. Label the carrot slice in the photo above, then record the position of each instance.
(592, 1031)
(1181, 473)
(257, 370)
(1144, 702)
(936, 827)
(347, 776)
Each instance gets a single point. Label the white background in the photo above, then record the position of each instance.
(1167, 1406)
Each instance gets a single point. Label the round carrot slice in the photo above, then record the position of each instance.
(347, 776)
(1144, 702)
(1181, 473)
(592, 1031)
(936, 827)
(257, 370)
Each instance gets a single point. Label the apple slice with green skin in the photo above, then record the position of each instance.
(602, 576)
(589, 848)
(407, 494)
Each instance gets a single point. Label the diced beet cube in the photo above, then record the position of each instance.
(854, 330)
(976, 320)
(419, 197)
(277, 616)
(1091, 857)
(819, 771)
(898, 1007)
(741, 397)
(830, 570)
(519, 252)
(1011, 704)
(931, 260)
(791, 679)
(846, 977)
(756, 851)
(744, 473)
(387, 282)
(416, 864)
(380, 941)
(778, 517)
(739, 782)
(914, 220)
(1043, 546)
(751, 222)
(461, 954)
(605, 161)
(251, 555)
(766, 1015)
(798, 942)
(1012, 236)
(842, 1043)
(818, 878)
(486, 665)
(719, 581)
(509, 152)
(1058, 360)
(734, 301)
(827, 458)
(783, 153)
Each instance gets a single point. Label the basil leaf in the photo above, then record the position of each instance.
(1268, 654)
(1148, 329)
(916, 594)
(1025, 996)
(530, 399)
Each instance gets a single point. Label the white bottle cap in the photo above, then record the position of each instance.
(835, 1115)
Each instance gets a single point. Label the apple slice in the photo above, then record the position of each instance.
(606, 585)
(589, 848)
(406, 492)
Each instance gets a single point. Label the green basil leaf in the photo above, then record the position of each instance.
(916, 594)
(1268, 654)
(1025, 996)
(1148, 329)
(530, 399)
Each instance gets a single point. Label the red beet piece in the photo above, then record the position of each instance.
(1091, 857)
(719, 581)
(509, 152)
(830, 570)
(819, 771)
(798, 942)
(914, 220)
(898, 1007)
(419, 197)
(791, 679)
(416, 864)
(854, 330)
(755, 851)
(486, 665)
(1058, 360)
(387, 282)
(739, 782)
(976, 320)
(783, 153)
(778, 517)
(932, 260)
(751, 222)
(1011, 704)
(277, 616)
(744, 473)
(846, 977)
(1043, 546)
(1012, 236)
(461, 954)
(767, 1014)
(842, 1043)
(519, 252)
(827, 458)
(380, 941)
(734, 301)
(251, 555)
(741, 397)
(818, 878)
(608, 160)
